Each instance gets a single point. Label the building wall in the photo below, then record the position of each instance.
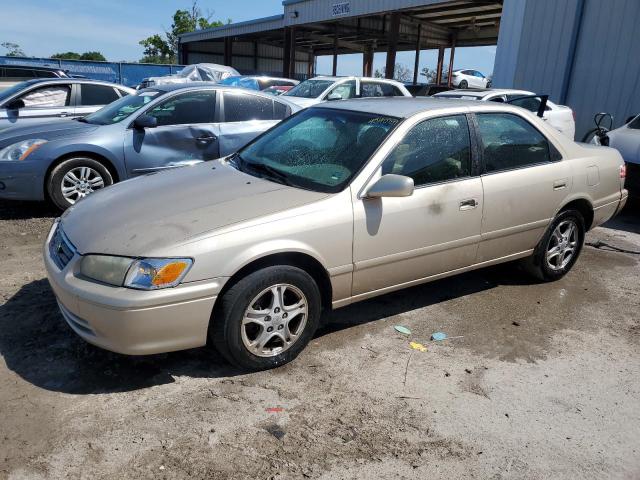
(579, 52)
(269, 60)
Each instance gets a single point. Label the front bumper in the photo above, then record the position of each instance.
(133, 322)
(21, 181)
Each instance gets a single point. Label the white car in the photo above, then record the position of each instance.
(320, 89)
(626, 140)
(469, 78)
(559, 116)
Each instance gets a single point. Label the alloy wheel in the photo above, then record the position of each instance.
(274, 320)
(80, 182)
(562, 245)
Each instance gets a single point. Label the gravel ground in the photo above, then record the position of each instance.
(543, 383)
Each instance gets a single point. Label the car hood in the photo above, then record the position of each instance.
(301, 101)
(627, 142)
(44, 130)
(148, 215)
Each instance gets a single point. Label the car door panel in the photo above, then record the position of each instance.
(437, 228)
(151, 149)
(523, 188)
(398, 240)
(187, 132)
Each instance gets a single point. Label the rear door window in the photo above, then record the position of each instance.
(20, 73)
(243, 107)
(49, 96)
(509, 141)
(96, 94)
(379, 89)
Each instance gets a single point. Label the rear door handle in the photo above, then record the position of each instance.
(206, 138)
(468, 204)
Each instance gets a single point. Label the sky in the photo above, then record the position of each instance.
(114, 27)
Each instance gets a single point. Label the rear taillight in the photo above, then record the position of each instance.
(623, 171)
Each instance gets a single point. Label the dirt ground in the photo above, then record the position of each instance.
(543, 383)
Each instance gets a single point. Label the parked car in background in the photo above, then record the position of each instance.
(157, 128)
(626, 140)
(320, 89)
(35, 101)
(559, 116)
(258, 82)
(339, 203)
(200, 72)
(469, 78)
(425, 89)
(12, 74)
(277, 90)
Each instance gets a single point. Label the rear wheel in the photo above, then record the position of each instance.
(74, 179)
(267, 318)
(559, 248)
(463, 84)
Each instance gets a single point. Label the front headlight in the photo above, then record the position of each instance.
(20, 150)
(141, 274)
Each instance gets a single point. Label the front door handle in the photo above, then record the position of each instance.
(63, 114)
(468, 204)
(206, 138)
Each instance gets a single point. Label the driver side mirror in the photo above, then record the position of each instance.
(334, 96)
(145, 121)
(16, 104)
(391, 185)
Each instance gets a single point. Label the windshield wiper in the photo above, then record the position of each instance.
(271, 173)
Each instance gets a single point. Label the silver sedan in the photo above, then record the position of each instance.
(336, 204)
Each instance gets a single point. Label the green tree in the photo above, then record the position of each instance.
(159, 49)
(66, 56)
(95, 56)
(14, 49)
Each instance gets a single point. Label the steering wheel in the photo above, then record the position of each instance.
(297, 149)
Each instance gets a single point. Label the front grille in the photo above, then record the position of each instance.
(60, 248)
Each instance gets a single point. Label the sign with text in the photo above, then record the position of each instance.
(343, 8)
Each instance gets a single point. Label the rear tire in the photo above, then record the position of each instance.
(251, 325)
(74, 179)
(559, 248)
(463, 84)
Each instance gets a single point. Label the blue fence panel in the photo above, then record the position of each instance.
(129, 74)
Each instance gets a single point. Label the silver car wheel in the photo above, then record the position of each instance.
(274, 320)
(80, 182)
(562, 245)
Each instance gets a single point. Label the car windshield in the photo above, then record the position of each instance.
(309, 88)
(318, 149)
(122, 108)
(9, 92)
(635, 123)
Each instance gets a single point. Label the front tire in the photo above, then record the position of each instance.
(74, 179)
(559, 248)
(267, 318)
(463, 84)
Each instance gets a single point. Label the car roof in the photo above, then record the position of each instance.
(172, 87)
(335, 79)
(34, 81)
(402, 107)
(34, 67)
(482, 92)
(264, 77)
